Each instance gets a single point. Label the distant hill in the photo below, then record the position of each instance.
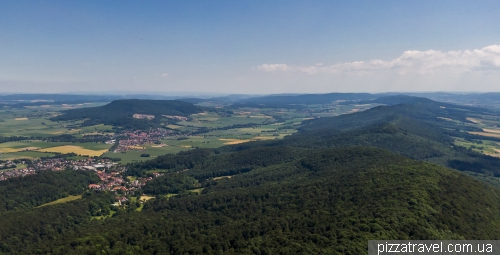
(120, 112)
(294, 101)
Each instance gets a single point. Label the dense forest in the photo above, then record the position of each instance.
(325, 201)
(34, 190)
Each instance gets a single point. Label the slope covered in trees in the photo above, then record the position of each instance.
(47, 186)
(418, 129)
(120, 112)
(325, 201)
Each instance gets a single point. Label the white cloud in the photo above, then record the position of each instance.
(164, 75)
(409, 62)
(273, 67)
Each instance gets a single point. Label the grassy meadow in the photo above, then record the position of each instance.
(62, 200)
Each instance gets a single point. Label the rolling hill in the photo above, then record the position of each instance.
(120, 112)
(418, 128)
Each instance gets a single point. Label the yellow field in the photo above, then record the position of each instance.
(7, 150)
(494, 154)
(234, 141)
(486, 134)
(57, 133)
(75, 149)
(496, 131)
(21, 119)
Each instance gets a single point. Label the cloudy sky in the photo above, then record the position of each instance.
(255, 47)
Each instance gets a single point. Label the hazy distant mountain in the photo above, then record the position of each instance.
(294, 101)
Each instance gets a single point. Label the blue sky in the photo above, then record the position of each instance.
(255, 47)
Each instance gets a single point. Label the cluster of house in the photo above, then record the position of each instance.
(133, 140)
(57, 164)
(15, 173)
(113, 181)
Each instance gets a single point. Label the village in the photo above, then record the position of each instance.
(131, 140)
(110, 174)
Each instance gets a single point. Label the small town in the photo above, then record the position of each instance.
(110, 173)
(132, 140)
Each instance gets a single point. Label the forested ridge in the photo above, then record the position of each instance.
(416, 130)
(120, 112)
(326, 201)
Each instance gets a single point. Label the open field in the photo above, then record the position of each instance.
(495, 131)
(34, 121)
(486, 134)
(145, 198)
(234, 141)
(197, 191)
(486, 147)
(63, 200)
(23, 154)
(473, 120)
(74, 149)
(223, 177)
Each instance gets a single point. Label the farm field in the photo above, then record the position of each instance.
(490, 134)
(74, 149)
(35, 149)
(488, 145)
